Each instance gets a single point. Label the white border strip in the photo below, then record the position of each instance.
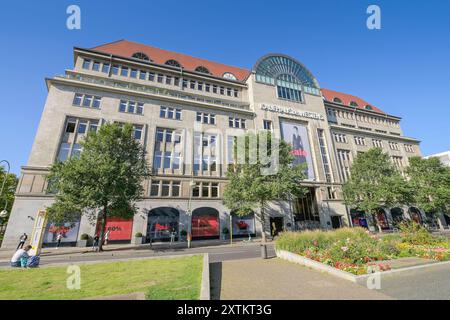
(205, 293)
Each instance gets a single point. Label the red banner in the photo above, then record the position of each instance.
(119, 229)
(205, 226)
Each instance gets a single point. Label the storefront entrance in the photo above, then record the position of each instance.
(306, 212)
(276, 225)
(397, 215)
(358, 218)
(382, 220)
(161, 223)
(415, 215)
(336, 222)
(205, 224)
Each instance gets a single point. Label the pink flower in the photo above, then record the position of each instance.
(345, 249)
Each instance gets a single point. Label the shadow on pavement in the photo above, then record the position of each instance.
(215, 278)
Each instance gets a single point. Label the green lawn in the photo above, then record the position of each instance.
(161, 279)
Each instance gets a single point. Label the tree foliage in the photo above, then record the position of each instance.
(250, 187)
(7, 198)
(104, 181)
(375, 182)
(430, 183)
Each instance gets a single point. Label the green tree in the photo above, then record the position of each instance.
(375, 182)
(430, 181)
(104, 181)
(251, 185)
(7, 197)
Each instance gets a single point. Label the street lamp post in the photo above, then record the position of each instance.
(189, 213)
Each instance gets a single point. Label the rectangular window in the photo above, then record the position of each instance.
(134, 73)
(185, 83)
(267, 125)
(154, 189)
(170, 113)
(176, 186)
(200, 86)
(137, 132)
(160, 78)
(222, 90)
(105, 68)
(124, 72)
(324, 153)
(214, 190)
(207, 87)
(87, 64)
(236, 93)
(214, 88)
(96, 102)
(82, 126)
(77, 99)
(142, 75)
(176, 81)
(115, 70)
(140, 108)
(122, 106)
(206, 118)
(168, 80)
(131, 106)
(70, 128)
(151, 76)
(192, 83)
(165, 190)
(64, 150)
(96, 66)
(229, 91)
(87, 101)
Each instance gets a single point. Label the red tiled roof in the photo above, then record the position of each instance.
(329, 95)
(127, 48)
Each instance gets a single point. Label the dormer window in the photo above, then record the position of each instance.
(337, 100)
(140, 56)
(353, 104)
(202, 69)
(229, 75)
(173, 63)
(367, 107)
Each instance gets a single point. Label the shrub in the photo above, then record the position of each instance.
(416, 234)
(138, 235)
(183, 233)
(84, 236)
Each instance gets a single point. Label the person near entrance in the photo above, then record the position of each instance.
(58, 240)
(20, 257)
(22, 240)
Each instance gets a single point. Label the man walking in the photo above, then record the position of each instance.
(23, 238)
(58, 240)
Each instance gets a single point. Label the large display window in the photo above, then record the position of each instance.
(162, 222)
(243, 226)
(358, 218)
(205, 223)
(415, 215)
(68, 231)
(119, 229)
(382, 220)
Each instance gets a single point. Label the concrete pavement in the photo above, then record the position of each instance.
(276, 279)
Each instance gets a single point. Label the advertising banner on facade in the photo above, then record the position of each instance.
(297, 135)
(119, 229)
(68, 231)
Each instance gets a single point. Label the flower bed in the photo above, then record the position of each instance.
(357, 251)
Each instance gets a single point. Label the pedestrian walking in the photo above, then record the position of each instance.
(106, 237)
(58, 239)
(22, 240)
(95, 243)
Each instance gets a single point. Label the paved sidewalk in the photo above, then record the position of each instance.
(276, 279)
(5, 254)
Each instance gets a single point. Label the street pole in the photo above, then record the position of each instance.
(6, 176)
(189, 213)
(231, 229)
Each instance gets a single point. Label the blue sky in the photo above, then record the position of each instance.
(404, 68)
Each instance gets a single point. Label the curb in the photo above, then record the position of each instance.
(298, 259)
(205, 289)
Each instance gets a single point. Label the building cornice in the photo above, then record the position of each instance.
(149, 92)
(358, 110)
(372, 133)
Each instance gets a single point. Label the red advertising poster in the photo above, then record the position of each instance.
(205, 226)
(119, 229)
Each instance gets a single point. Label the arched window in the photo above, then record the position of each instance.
(229, 75)
(353, 104)
(173, 63)
(289, 76)
(140, 56)
(202, 69)
(367, 107)
(337, 100)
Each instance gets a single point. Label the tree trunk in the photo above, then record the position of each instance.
(263, 222)
(102, 230)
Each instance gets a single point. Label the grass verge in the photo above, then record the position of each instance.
(159, 279)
